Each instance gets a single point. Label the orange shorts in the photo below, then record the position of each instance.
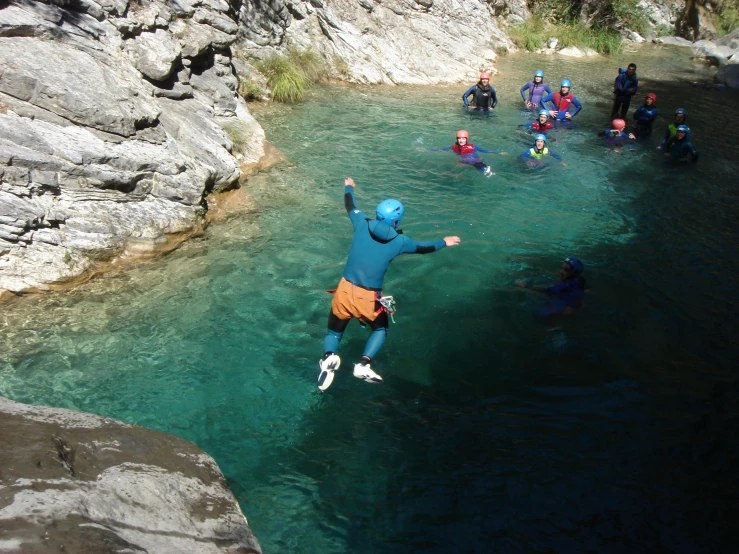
(353, 301)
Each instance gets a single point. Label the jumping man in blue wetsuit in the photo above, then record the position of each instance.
(375, 244)
(568, 294)
(483, 95)
(561, 102)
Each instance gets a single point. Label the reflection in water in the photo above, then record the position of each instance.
(614, 431)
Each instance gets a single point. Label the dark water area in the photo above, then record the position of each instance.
(612, 431)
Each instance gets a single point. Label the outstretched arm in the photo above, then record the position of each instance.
(355, 214)
(411, 246)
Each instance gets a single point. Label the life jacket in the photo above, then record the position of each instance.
(536, 126)
(562, 102)
(464, 150)
(538, 155)
(483, 97)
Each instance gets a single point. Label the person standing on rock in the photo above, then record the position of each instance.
(537, 89)
(624, 88)
(483, 95)
(376, 243)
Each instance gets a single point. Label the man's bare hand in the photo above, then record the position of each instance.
(452, 241)
(349, 182)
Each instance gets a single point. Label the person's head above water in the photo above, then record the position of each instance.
(565, 84)
(539, 141)
(538, 76)
(650, 99)
(682, 129)
(484, 77)
(680, 115)
(571, 267)
(618, 124)
(543, 114)
(464, 136)
(391, 212)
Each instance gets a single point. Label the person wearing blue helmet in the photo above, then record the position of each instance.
(624, 88)
(537, 154)
(376, 243)
(680, 119)
(561, 103)
(567, 295)
(541, 124)
(679, 148)
(537, 89)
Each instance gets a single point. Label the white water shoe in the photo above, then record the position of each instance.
(362, 371)
(488, 171)
(328, 367)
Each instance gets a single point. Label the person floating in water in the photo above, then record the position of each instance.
(375, 244)
(645, 116)
(537, 89)
(616, 136)
(679, 148)
(561, 103)
(468, 153)
(539, 152)
(483, 95)
(541, 124)
(680, 119)
(566, 296)
(624, 88)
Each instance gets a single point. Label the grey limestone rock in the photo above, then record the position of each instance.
(728, 76)
(76, 482)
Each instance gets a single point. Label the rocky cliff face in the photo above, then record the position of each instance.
(78, 483)
(116, 118)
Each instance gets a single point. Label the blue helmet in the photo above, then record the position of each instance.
(683, 128)
(539, 73)
(540, 137)
(565, 83)
(390, 211)
(680, 111)
(544, 112)
(576, 265)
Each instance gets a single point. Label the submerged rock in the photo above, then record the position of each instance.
(75, 482)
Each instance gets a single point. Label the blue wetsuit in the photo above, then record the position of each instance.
(644, 118)
(374, 246)
(681, 150)
(566, 294)
(624, 87)
(613, 137)
(561, 114)
(485, 98)
(533, 155)
(470, 158)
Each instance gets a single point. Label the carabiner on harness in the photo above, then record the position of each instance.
(388, 302)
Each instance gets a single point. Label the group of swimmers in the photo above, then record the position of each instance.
(556, 109)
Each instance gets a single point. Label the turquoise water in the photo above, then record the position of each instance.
(612, 431)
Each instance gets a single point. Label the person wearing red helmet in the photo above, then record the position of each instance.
(483, 95)
(616, 136)
(645, 115)
(468, 153)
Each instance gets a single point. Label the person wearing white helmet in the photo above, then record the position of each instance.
(376, 243)
(483, 95)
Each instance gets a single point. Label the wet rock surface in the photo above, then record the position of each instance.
(75, 482)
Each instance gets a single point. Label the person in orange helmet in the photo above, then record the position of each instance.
(483, 95)
(467, 153)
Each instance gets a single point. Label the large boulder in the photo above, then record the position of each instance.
(75, 482)
(728, 75)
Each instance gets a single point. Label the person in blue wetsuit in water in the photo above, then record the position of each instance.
(538, 154)
(483, 95)
(645, 116)
(541, 124)
(616, 136)
(376, 243)
(679, 148)
(468, 153)
(537, 89)
(566, 296)
(562, 101)
(680, 119)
